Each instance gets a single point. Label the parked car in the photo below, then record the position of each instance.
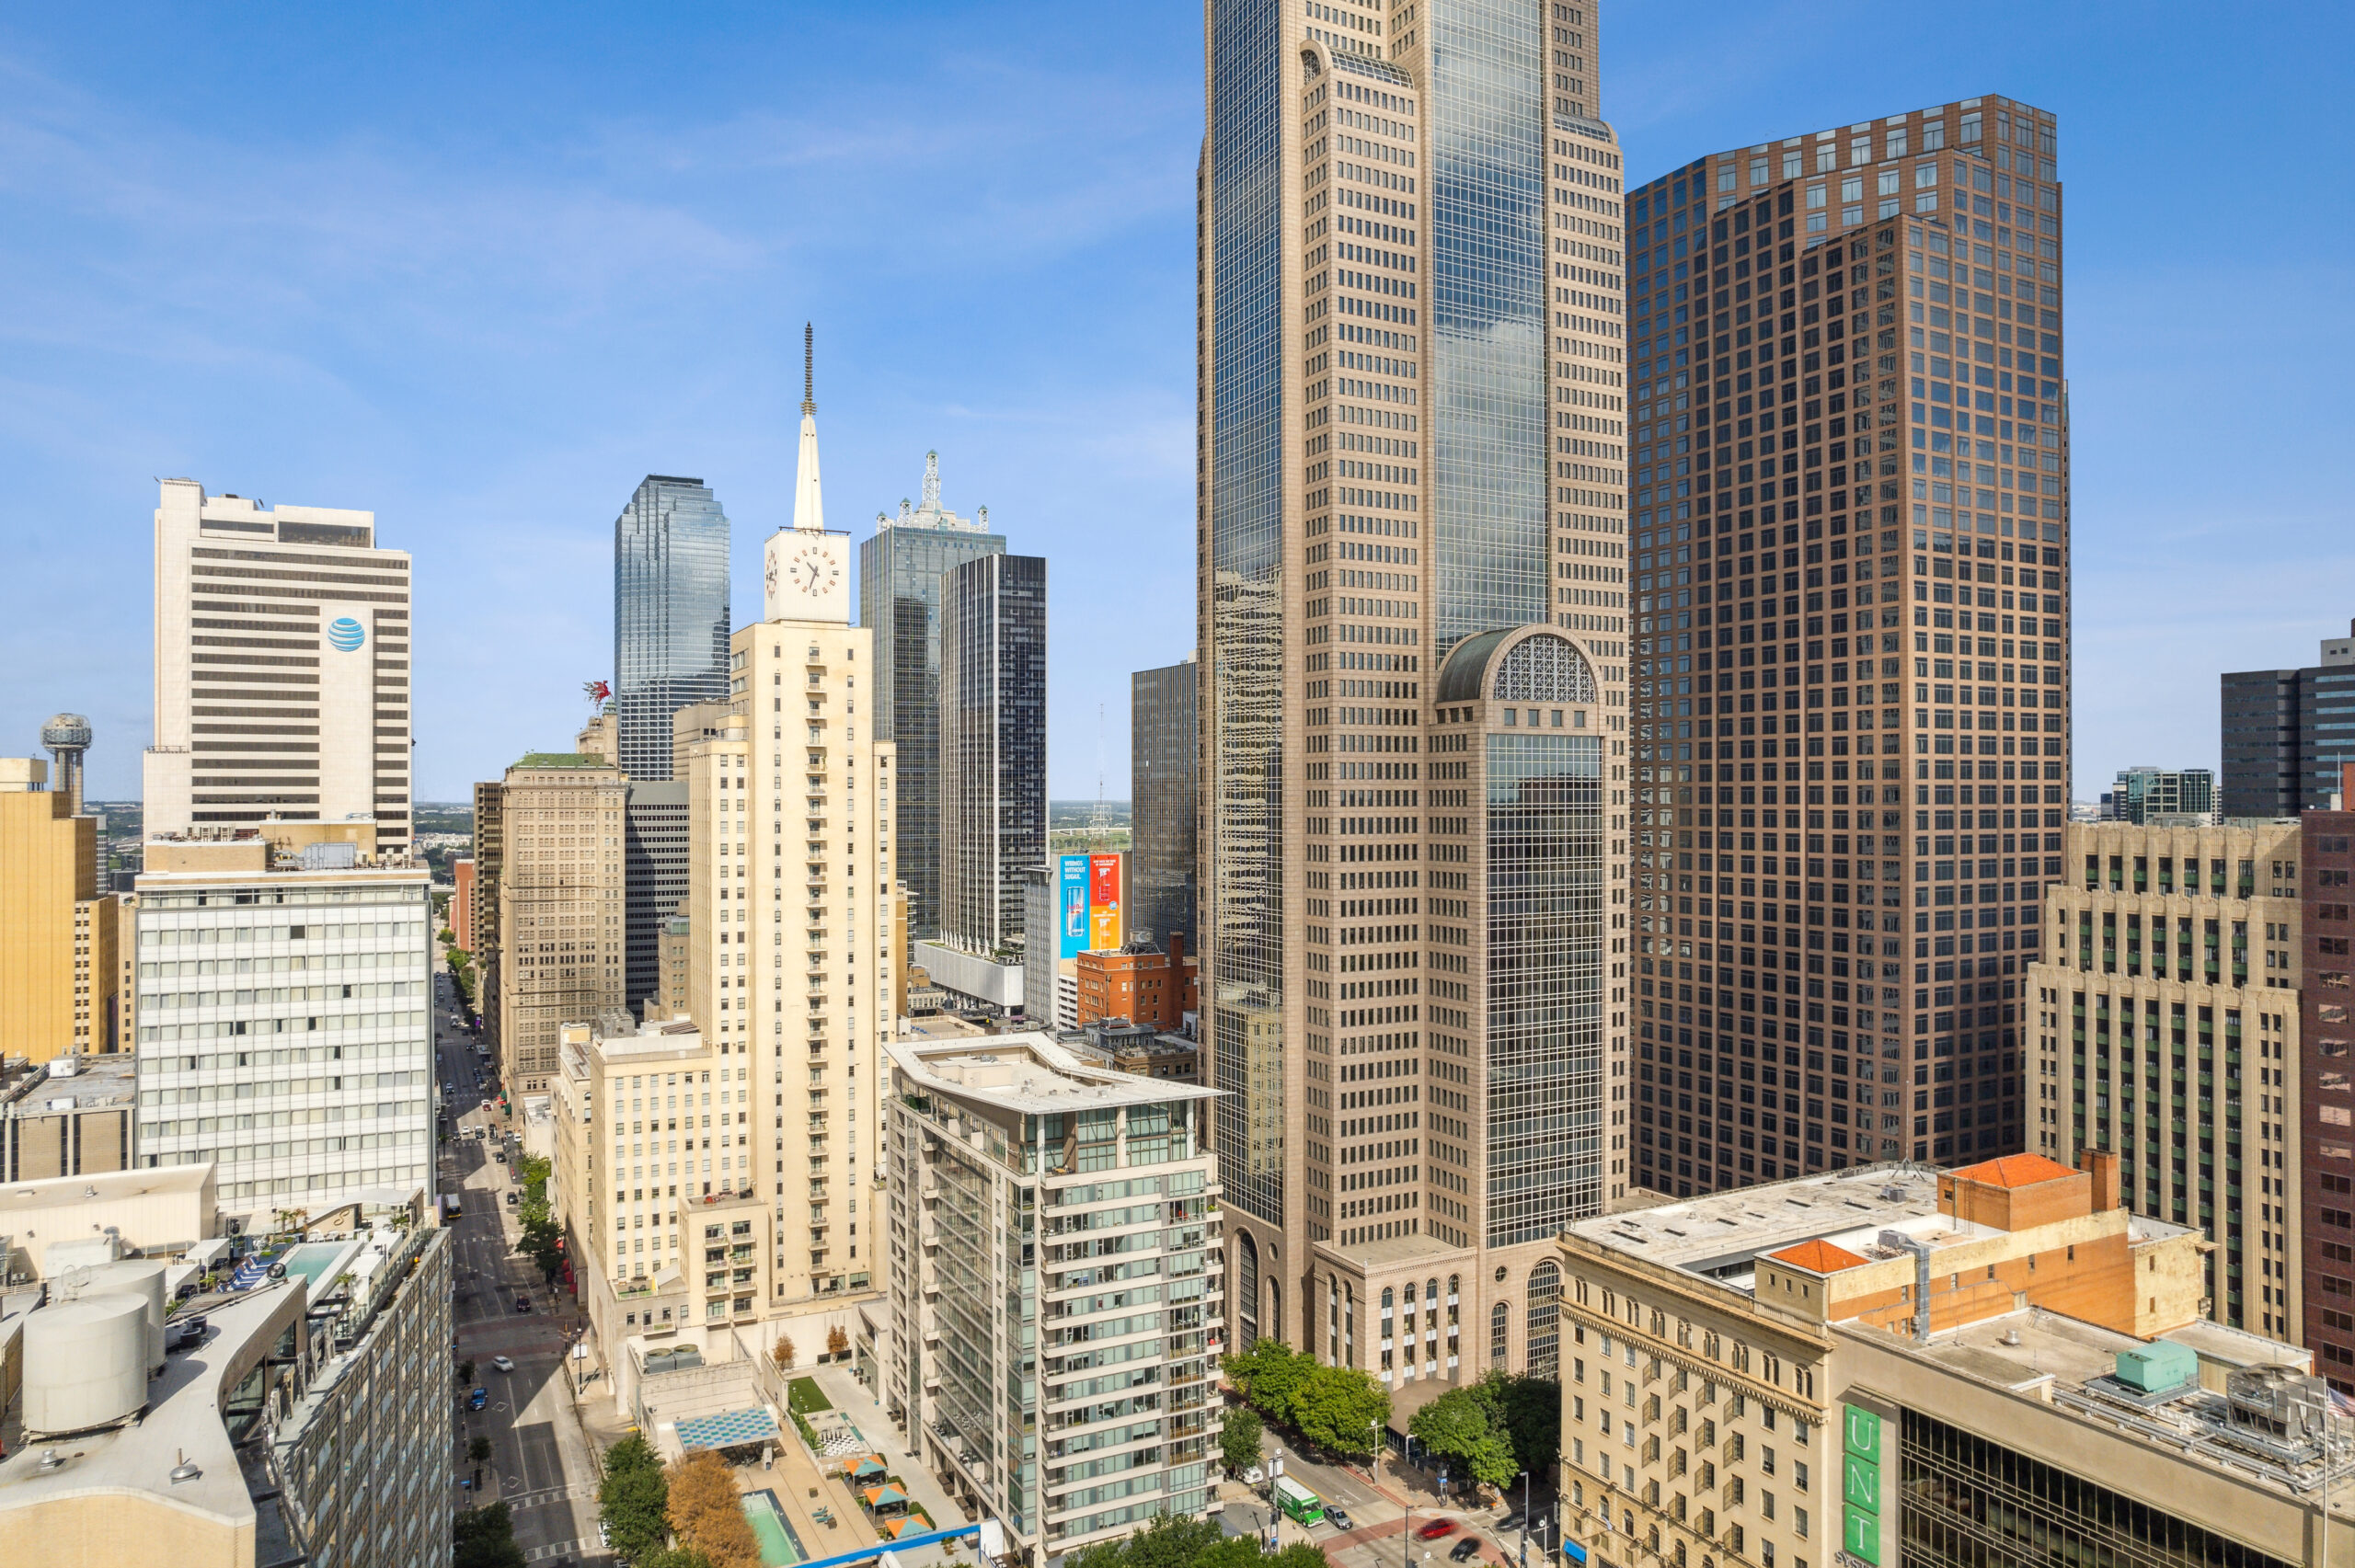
(1339, 1518)
(1509, 1522)
(478, 1399)
(512, 1201)
(1255, 1476)
(1434, 1529)
(1469, 1546)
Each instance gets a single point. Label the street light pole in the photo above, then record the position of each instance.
(1406, 1524)
(1524, 1519)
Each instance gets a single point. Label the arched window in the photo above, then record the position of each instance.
(1453, 1308)
(1500, 1327)
(1246, 1294)
(1275, 1310)
(1544, 668)
(1545, 1321)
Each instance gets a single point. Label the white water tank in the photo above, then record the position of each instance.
(85, 1364)
(144, 1279)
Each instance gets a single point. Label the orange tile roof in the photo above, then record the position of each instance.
(1818, 1257)
(2015, 1171)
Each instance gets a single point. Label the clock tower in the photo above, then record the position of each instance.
(807, 569)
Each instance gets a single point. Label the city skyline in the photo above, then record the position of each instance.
(507, 528)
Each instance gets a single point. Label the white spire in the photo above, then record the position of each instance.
(808, 508)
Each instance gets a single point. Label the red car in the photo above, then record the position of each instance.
(1436, 1528)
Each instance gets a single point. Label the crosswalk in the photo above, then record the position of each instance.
(547, 1494)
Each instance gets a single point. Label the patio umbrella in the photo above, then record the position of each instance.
(864, 1468)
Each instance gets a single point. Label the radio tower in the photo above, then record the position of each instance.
(1100, 821)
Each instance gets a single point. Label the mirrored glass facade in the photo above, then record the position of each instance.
(992, 747)
(1969, 1503)
(898, 595)
(1545, 992)
(670, 615)
(1486, 107)
(1161, 793)
(1245, 490)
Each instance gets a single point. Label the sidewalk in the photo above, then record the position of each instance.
(853, 1398)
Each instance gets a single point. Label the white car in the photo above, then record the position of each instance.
(1255, 1476)
(502, 1364)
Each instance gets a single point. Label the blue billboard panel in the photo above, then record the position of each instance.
(1071, 896)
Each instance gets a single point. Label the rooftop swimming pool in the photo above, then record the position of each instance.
(780, 1545)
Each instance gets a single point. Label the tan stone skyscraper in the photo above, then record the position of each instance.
(59, 980)
(2166, 944)
(791, 940)
(559, 906)
(1852, 675)
(1413, 645)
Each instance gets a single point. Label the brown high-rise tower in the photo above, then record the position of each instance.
(1851, 703)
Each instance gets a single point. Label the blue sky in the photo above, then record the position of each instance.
(479, 269)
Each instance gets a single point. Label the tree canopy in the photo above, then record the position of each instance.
(1172, 1542)
(708, 1513)
(634, 1499)
(1494, 1428)
(485, 1538)
(1333, 1407)
(1239, 1439)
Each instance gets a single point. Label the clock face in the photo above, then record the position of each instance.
(815, 570)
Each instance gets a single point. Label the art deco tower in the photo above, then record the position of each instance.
(1413, 637)
(791, 940)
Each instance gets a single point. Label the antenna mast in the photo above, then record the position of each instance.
(1100, 821)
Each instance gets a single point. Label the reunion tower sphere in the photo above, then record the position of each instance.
(67, 736)
(66, 732)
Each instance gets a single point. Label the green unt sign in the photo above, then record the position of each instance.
(1860, 1485)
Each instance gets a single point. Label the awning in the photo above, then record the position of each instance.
(727, 1430)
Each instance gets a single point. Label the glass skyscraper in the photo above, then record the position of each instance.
(992, 747)
(898, 595)
(1162, 739)
(2286, 732)
(1413, 602)
(670, 615)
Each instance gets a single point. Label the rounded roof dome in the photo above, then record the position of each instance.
(1539, 665)
(65, 729)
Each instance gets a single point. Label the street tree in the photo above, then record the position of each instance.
(1239, 1439)
(708, 1513)
(1269, 1375)
(634, 1499)
(485, 1538)
(1341, 1408)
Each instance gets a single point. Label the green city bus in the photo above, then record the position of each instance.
(1299, 1504)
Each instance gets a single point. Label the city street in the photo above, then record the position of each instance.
(1377, 1518)
(542, 1464)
